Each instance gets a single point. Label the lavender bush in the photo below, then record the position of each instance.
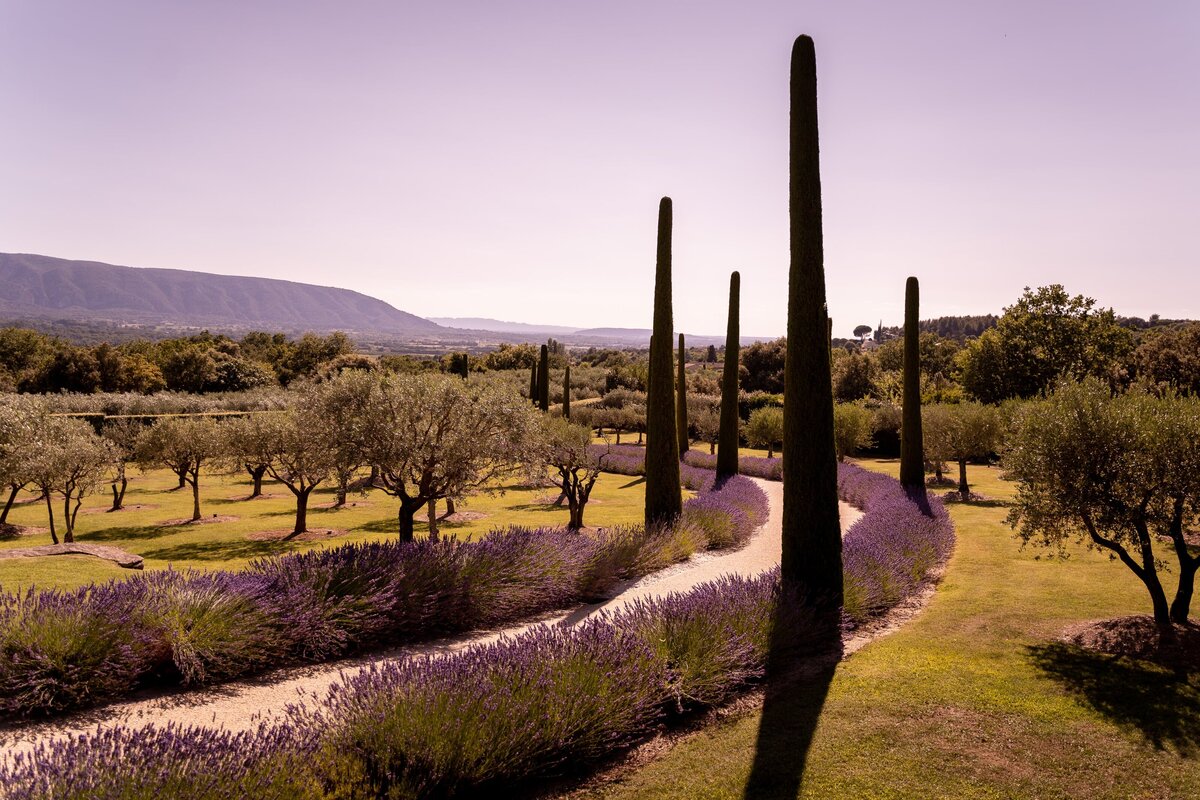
(889, 551)
(62, 650)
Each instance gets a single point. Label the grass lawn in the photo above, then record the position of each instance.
(973, 698)
(616, 500)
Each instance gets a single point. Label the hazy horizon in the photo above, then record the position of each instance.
(506, 160)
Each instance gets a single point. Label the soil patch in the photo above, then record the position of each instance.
(463, 516)
(1140, 637)
(315, 535)
(202, 521)
(10, 531)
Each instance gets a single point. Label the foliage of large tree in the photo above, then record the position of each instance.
(184, 445)
(432, 436)
(1170, 358)
(1119, 473)
(341, 409)
(761, 366)
(1046, 335)
(123, 434)
(961, 432)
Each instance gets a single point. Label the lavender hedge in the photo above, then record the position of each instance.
(67, 649)
(891, 549)
(545, 702)
(493, 716)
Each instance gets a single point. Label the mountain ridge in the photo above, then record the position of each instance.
(44, 286)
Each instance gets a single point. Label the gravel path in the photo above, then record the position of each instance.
(240, 705)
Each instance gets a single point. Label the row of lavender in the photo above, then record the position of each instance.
(548, 702)
(885, 554)
(67, 649)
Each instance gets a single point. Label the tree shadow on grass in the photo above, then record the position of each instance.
(218, 551)
(640, 479)
(805, 652)
(1161, 704)
(134, 532)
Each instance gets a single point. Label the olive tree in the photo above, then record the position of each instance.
(122, 433)
(566, 450)
(297, 453)
(184, 445)
(961, 432)
(1117, 473)
(852, 428)
(432, 436)
(69, 460)
(21, 419)
(339, 413)
(244, 443)
(765, 428)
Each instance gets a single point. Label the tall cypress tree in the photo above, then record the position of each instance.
(681, 417)
(533, 384)
(664, 500)
(811, 562)
(543, 384)
(912, 452)
(567, 392)
(727, 437)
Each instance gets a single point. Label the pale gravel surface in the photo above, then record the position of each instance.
(240, 705)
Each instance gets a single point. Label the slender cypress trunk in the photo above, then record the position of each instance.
(664, 499)
(727, 452)
(12, 498)
(543, 386)
(912, 456)
(566, 403)
(811, 562)
(681, 417)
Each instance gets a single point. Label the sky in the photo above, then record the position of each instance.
(506, 159)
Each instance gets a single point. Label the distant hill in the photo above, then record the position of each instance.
(43, 287)
(500, 326)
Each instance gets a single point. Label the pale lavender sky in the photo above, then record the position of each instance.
(505, 159)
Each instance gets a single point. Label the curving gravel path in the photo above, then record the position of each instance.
(240, 705)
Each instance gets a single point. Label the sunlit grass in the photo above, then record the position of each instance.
(958, 703)
(616, 500)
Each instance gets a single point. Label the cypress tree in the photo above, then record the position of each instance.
(533, 384)
(543, 384)
(912, 455)
(681, 417)
(567, 392)
(727, 437)
(811, 562)
(664, 500)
